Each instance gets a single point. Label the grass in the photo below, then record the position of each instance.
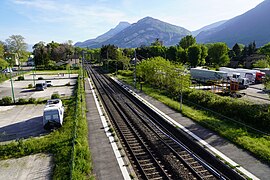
(59, 142)
(256, 143)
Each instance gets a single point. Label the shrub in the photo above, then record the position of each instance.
(20, 78)
(40, 78)
(31, 100)
(125, 72)
(22, 101)
(7, 100)
(1, 102)
(55, 96)
(30, 85)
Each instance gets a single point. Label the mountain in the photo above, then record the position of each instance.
(208, 27)
(144, 32)
(103, 37)
(251, 26)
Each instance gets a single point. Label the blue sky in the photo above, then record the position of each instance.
(79, 20)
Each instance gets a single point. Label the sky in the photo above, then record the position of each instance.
(79, 20)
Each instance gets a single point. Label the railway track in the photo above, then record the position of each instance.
(153, 149)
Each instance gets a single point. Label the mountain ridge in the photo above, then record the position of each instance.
(245, 28)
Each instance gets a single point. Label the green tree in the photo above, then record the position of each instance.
(265, 49)
(218, 54)
(109, 52)
(3, 64)
(194, 55)
(197, 55)
(262, 63)
(187, 41)
(40, 53)
(16, 44)
(237, 50)
(1, 51)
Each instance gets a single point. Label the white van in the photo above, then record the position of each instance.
(53, 114)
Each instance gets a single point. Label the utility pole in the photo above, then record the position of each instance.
(12, 89)
(83, 68)
(135, 69)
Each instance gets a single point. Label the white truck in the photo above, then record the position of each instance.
(53, 114)
(205, 75)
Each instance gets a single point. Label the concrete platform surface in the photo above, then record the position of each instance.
(105, 164)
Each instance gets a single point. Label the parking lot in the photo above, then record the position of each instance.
(21, 90)
(24, 121)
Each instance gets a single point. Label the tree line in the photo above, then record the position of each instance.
(187, 52)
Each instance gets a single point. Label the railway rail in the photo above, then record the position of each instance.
(156, 149)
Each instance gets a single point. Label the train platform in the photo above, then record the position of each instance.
(106, 159)
(241, 159)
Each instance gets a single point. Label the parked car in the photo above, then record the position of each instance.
(41, 86)
(49, 83)
(7, 70)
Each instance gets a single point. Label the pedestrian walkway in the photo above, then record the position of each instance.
(105, 163)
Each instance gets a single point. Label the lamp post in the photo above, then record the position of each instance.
(12, 88)
(180, 73)
(135, 69)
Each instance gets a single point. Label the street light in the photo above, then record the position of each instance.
(135, 70)
(10, 69)
(180, 73)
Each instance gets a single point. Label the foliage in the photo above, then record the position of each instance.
(7, 100)
(218, 54)
(55, 96)
(163, 74)
(197, 54)
(51, 53)
(31, 100)
(59, 142)
(187, 41)
(125, 72)
(16, 44)
(262, 63)
(254, 142)
(265, 49)
(3, 64)
(109, 52)
(20, 78)
(22, 101)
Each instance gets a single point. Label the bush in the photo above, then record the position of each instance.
(125, 72)
(22, 101)
(239, 110)
(55, 96)
(40, 78)
(31, 100)
(20, 78)
(1, 102)
(7, 100)
(30, 85)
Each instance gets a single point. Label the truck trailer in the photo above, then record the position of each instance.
(205, 75)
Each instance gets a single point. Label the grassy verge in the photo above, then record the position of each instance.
(256, 143)
(59, 142)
